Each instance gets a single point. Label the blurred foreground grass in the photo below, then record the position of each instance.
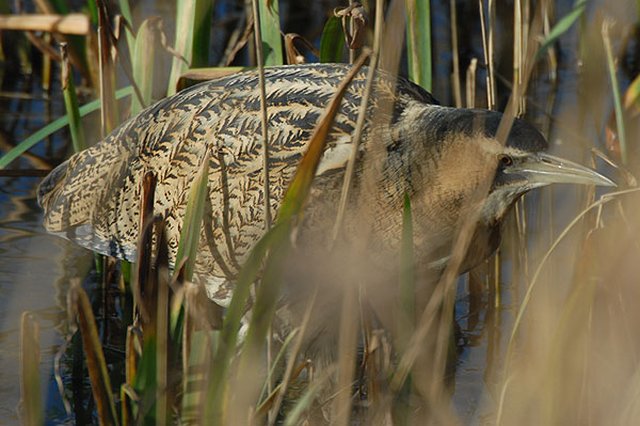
(562, 346)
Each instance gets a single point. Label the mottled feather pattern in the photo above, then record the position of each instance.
(94, 197)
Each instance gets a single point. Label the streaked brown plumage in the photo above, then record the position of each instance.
(436, 155)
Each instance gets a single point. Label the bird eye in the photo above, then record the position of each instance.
(505, 160)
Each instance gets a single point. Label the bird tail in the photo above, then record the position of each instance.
(73, 197)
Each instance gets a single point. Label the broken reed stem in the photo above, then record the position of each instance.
(471, 83)
(263, 111)
(362, 116)
(71, 24)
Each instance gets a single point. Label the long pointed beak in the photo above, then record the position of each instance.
(543, 169)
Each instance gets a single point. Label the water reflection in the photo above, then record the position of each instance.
(33, 267)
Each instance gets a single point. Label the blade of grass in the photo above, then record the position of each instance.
(30, 393)
(184, 36)
(192, 38)
(125, 11)
(271, 40)
(188, 247)
(632, 95)
(264, 125)
(71, 102)
(347, 353)
(162, 336)
(133, 350)
(293, 356)
(143, 60)
(332, 41)
(98, 373)
(276, 362)
(151, 376)
(212, 412)
(562, 26)
(190, 233)
(201, 33)
(295, 415)
(54, 126)
(419, 42)
(109, 109)
(203, 344)
(615, 88)
(349, 320)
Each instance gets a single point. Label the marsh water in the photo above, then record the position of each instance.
(36, 269)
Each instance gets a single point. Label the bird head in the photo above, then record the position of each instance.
(457, 167)
(522, 165)
(463, 154)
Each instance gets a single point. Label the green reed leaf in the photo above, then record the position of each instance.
(332, 41)
(419, 42)
(52, 127)
(562, 26)
(270, 32)
(71, 102)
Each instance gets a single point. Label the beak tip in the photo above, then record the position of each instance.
(550, 169)
(605, 181)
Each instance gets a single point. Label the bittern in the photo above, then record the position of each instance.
(438, 156)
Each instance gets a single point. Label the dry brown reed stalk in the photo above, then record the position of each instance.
(487, 45)
(520, 21)
(108, 106)
(362, 116)
(552, 68)
(576, 362)
(96, 364)
(71, 24)
(31, 412)
(436, 316)
(592, 347)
